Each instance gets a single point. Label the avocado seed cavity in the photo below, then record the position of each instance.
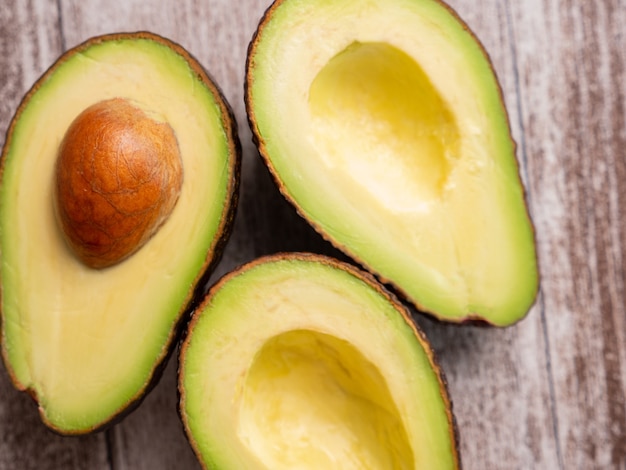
(311, 400)
(119, 174)
(377, 115)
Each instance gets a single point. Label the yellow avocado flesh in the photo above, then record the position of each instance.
(86, 341)
(312, 400)
(377, 118)
(299, 364)
(392, 140)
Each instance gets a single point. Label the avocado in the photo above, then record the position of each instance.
(302, 361)
(119, 185)
(383, 123)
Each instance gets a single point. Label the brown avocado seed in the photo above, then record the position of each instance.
(118, 176)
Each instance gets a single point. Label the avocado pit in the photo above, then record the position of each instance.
(119, 174)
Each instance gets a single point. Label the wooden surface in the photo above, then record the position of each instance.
(547, 393)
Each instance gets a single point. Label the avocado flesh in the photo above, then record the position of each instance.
(305, 383)
(86, 342)
(393, 141)
(299, 361)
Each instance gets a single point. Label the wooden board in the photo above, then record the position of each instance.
(547, 393)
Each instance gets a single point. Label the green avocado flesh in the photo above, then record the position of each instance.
(300, 361)
(383, 123)
(86, 343)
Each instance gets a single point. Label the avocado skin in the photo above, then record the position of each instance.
(214, 255)
(357, 272)
(471, 318)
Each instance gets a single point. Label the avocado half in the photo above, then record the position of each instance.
(302, 361)
(384, 124)
(87, 342)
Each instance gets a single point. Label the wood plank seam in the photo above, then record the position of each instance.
(540, 304)
(60, 26)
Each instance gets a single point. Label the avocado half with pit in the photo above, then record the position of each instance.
(119, 185)
(302, 361)
(384, 124)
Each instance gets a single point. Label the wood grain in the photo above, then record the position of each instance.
(547, 393)
(573, 111)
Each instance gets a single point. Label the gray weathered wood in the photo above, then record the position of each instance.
(572, 81)
(547, 393)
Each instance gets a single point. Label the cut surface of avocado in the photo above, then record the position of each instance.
(88, 343)
(300, 361)
(384, 124)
